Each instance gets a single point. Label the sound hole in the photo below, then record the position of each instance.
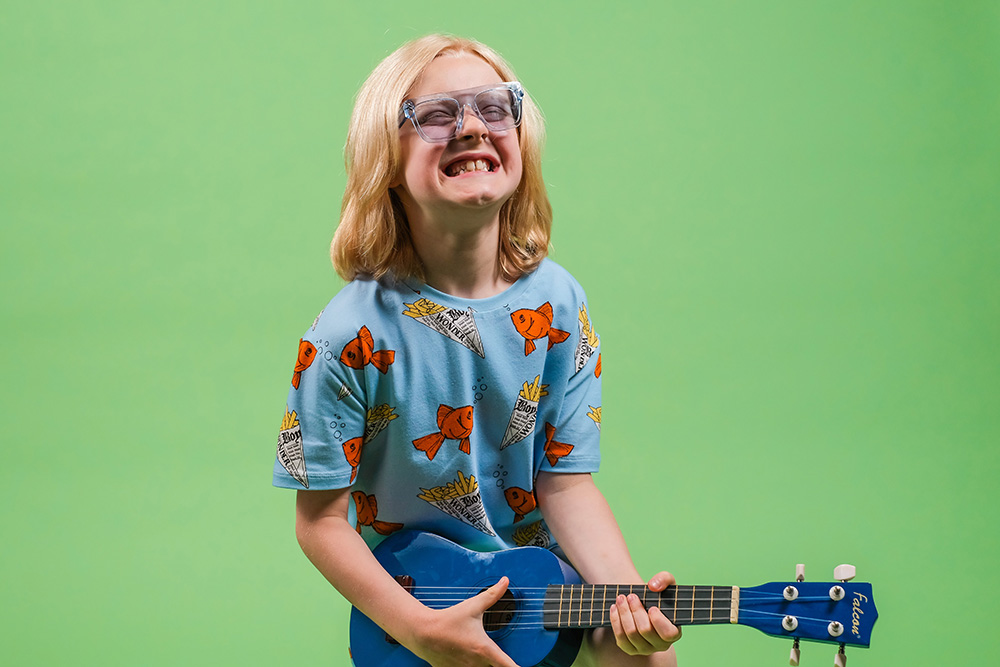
(499, 615)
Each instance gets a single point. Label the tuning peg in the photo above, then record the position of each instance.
(800, 572)
(793, 659)
(841, 659)
(844, 572)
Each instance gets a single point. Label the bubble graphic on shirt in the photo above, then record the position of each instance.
(479, 388)
(336, 425)
(499, 475)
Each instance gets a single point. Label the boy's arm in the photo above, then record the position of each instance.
(582, 523)
(447, 637)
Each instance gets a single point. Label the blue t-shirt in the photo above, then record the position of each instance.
(439, 411)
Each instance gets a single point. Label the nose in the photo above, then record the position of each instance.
(472, 125)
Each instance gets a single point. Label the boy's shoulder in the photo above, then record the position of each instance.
(351, 308)
(554, 278)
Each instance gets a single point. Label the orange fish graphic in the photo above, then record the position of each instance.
(537, 324)
(352, 450)
(360, 352)
(307, 353)
(597, 370)
(455, 424)
(367, 508)
(554, 450)
(521, 501)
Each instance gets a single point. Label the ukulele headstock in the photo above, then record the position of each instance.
(836, 612)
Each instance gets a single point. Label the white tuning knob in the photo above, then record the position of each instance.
(841, 659)
(844, 572)
(800, 572)
(793, 659)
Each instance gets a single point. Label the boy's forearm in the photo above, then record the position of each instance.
(340, 554)
(584, 526)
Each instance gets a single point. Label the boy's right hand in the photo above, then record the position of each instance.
(455, 637)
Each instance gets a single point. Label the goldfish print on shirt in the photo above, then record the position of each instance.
(522, 502)
(367, 510)
(307, 354)
(455, 424)
(361, 351)
(376, 421)
(537, 324)
(554, 450)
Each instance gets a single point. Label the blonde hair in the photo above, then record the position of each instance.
(373, 237)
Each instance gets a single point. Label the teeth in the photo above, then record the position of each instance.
(471, 165)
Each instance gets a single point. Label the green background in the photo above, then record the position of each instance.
(785, 215)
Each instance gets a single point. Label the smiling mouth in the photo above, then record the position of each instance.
(466, 166)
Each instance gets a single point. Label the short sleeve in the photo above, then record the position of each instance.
(319, 442)
(572, 442)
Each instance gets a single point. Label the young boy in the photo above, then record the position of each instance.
(453, 386)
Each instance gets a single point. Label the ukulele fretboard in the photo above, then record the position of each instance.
(588, 606)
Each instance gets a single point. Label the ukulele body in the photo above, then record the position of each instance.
(444, 573)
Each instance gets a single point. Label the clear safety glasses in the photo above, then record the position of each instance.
(439, 117)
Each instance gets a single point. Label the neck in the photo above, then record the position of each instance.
(587, 606)
(461, 260)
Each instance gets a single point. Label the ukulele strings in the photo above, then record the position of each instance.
(529, 605)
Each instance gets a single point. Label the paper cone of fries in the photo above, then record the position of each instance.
(462, 500)
(290, 451)
(532, 535)
(522, 418)
(458, 325)
(377, 419)
(589, 340)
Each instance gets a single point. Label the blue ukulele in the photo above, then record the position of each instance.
(541, 618)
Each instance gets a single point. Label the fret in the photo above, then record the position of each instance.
(590, 620)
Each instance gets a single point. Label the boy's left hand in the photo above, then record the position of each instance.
(638, 632)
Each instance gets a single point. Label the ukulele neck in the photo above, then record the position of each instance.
(588, 606)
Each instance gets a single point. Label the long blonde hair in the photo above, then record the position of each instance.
(373, 237)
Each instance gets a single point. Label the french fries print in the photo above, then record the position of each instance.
(589, 340)
(291, 454)
(367, 511)
(532, 535)
(307, 354)
(537, 324)
(522, 417)
(595, 414)
(361, 351)
(455, 424)
(462, 500)
(458, 325)
(554, 450)
(377, 419)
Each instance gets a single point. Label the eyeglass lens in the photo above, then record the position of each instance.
(438, 119)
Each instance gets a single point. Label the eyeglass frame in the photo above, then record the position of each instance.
(408, 108)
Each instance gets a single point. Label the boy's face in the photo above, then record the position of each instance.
(431, 182)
